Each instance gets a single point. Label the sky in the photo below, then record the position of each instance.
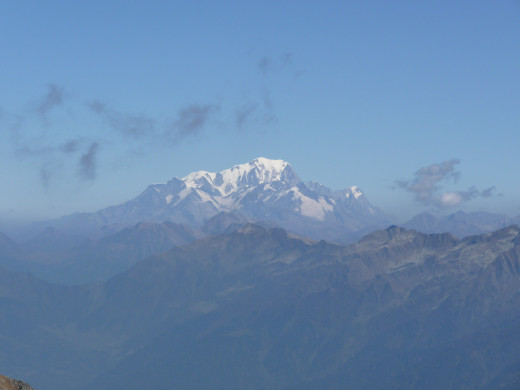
(417, 103)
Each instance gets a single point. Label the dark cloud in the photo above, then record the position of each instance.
(191, 120)
(135, 126)
(287, 58)
(88, 164)
(488, 192)
(45, 176)
(54, 97)
(243, 115)
(264, 64)
(70, 146)
(269, 116)
(261, 112)
(427, 189)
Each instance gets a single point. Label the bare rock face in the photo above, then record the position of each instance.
(13, 384)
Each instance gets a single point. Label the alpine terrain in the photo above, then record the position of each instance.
(259, 308)
(263, 190)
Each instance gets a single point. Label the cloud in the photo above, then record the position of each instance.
(488, 192)
(135, 126)
(45, 176)
(243, 115)
(70, 146)
(269, 116)
(427, 189)
(191, 120)
(287, 58)
(264, 64)
(67, 147)
(261, 112)
(88, 164)
(54, 97)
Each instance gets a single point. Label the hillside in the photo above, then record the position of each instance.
(261, 308)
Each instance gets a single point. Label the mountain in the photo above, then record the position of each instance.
(10, 252)
(260, 308)
(8, 247)
(50, 240)
(224, 222)
(102, 258)
(460, 224)
(263, 190)
(13, 384)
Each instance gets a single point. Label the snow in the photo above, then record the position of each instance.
(227, 189)
(312, 208)
(207, 198)
(183, 194)
(356, 192)
(265, 171)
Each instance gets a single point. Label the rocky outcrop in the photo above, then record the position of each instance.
(13, 384)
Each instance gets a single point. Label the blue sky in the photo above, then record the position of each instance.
(415, 102)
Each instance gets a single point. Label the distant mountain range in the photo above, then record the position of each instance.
(262, 190)
(461, 224)
(223, 280)
(86, 247)
(260, 308)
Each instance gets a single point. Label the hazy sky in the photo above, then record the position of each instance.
(416, 102)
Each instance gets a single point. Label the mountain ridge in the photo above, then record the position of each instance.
(257, 302)
(265, 190)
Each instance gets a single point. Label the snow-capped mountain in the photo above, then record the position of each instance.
(263, 190)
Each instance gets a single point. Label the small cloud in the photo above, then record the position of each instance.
(88, 164)
(45, 176)
(48, 150)
(264, 64)
(269, 116)
(261, 112)
(488, 192)
(54, 97)
(70, 146)
(135, 126)
(427, 189)
(191, 120)
(243, 115)
(287, 58)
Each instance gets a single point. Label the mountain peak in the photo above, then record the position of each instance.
(263, 189)
(257, 172)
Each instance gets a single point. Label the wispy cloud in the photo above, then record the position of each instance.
(35, 149)
(287, 58)
(244, 114)
(54, 97)
(131, 125)
(87, 167)
(264, 64)
(45, 176)
(260, 112)
(191, 120)
(70, 146)
(269, 116)
(54, 147)
(427, 190)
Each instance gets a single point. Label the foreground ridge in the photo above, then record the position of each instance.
(7, 383)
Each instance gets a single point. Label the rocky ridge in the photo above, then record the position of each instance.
(13, 384)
